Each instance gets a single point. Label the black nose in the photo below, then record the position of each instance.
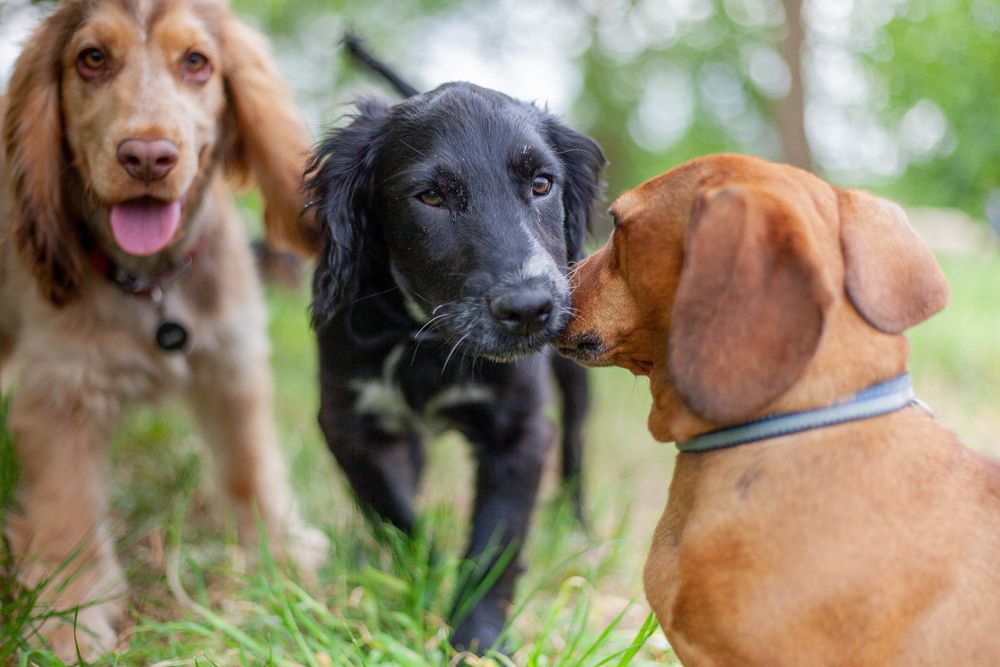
(522, 312)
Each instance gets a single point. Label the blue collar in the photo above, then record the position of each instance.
(878, 399)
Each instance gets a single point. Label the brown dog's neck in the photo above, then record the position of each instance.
(842, 367)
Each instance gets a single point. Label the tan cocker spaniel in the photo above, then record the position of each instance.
(126, 275)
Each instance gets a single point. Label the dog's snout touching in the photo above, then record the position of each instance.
(148, 159)
(522, 312)
(584, 346)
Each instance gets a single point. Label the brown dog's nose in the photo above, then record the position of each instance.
(148, 159)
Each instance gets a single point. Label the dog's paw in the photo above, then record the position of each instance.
(307, 547)
(480, 630)
(87, 634)
(78, 607)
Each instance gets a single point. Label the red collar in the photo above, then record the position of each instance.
(151, 287)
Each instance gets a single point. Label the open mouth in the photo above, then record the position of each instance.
(146, 225)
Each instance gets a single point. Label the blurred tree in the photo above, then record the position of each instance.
(941, 77)
(665, 80)
(659, 80)
(792, 107)
(307, 38)
(900, 95)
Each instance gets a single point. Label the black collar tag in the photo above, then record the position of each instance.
(171, 336)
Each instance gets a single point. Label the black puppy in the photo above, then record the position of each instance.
(450, 219)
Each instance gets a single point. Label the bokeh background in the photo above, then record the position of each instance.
(901, 97)
(896, 95)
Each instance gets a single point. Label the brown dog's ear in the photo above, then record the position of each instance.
(42, 228)
(750, 306)
(891, 275)
(270, 141)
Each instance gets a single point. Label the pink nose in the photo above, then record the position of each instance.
(148, 159)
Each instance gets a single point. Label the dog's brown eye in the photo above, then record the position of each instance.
(196, 67)
(540, 185)
(431, 198)
(92, 63)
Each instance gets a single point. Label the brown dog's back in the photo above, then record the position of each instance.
(850, 541)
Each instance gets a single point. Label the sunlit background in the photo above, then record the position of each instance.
(901, 97)
(897, 95)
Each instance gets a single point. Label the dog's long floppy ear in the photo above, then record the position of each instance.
(340, 183)
(43, 229)
(582, 161)
(891, 275)
(750, 306)
(270, 141)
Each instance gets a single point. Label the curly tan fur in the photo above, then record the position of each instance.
(75, 347)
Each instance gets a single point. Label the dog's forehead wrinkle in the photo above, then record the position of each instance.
(104, 27)
(133, 10)
(149, 13)
(207, 12)
(474, 133)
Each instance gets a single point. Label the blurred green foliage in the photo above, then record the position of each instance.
(902, 96)
(946, 54)
(675, 84)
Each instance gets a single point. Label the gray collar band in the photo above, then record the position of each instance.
(878, 399)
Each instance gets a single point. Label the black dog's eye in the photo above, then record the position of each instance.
(541, 184)
(431, 198)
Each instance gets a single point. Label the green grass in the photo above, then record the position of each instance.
(377, 601)
(956, 354)
(383, 601)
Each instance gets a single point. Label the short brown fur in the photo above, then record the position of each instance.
(745, 288)
(76, 348)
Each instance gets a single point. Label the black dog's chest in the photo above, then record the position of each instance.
(415, 392)
(377, 364)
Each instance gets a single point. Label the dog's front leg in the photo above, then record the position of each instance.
(383, 467)
(231, 397)
(507, 479)
(574, 388)
(59, 534)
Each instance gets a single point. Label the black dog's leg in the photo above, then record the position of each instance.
(507, 481)
(575, 390)
(383, 468)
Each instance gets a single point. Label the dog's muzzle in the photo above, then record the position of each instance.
(585, 347)
(523, 311)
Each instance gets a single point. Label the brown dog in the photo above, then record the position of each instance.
(124, 124)
(744, 288)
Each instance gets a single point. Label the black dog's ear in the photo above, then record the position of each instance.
(582, 164)
(340, 184)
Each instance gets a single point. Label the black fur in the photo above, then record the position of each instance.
(403, 293)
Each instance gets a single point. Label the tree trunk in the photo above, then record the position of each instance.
(791, 109)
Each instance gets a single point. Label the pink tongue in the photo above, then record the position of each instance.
(145, 226)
